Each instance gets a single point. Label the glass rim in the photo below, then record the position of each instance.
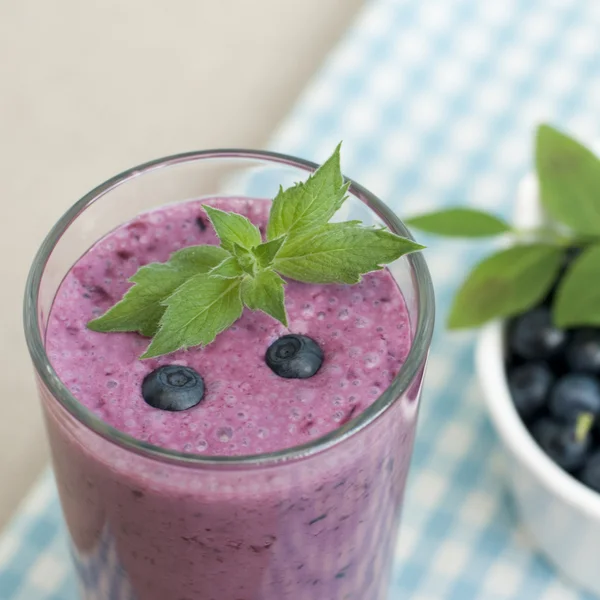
(401, 382)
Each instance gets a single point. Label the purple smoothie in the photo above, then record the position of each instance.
(318, 528)
(362, 329)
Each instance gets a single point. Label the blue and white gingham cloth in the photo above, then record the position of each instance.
(436, 101)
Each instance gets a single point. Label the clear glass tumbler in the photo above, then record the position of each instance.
(317, 521)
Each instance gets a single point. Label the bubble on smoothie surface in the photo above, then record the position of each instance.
(363, 331)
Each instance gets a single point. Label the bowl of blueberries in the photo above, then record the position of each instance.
(541, 385)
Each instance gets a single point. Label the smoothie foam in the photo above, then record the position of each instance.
(363, 330)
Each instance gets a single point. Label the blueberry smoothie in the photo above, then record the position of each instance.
(144, 528)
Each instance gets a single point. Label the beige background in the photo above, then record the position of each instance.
(88, 88)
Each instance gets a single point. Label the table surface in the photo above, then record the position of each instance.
(92, 88)
(436, 102)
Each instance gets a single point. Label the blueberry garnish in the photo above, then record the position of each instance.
(574, 394)
(583, 352)
(529, 387)
(294, 357)
(173, 388)
(564, 443)
(534, 337)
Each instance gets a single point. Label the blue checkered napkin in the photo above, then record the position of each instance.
(436, 102)
(34, 560)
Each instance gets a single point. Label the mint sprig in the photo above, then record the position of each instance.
(505, 284)
(265, 292)
(233, 229)
(202, 290)
(310, 204)
(143, 306)
(578, 297)
(338, 253)
(523, 274)
(460, 222)
(569, 177)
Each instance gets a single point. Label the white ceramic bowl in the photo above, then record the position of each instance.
(562, 515)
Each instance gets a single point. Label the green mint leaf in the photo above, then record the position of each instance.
(577, 299)
(265, 292)
(460, 222)
(504, 284)
(228, 269)
(310, 204)
(196, 313)
(245, 258)
(569, 178)
(233, 229)
(339, 253)
(197, 259)
(265, 253)
(140, 309)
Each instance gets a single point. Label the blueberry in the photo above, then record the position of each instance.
(532, 335)
(565, 443)
(590, 474)
(574, 394)
(294, 356)
(173, 388)
(583, 351)
(529, 386)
